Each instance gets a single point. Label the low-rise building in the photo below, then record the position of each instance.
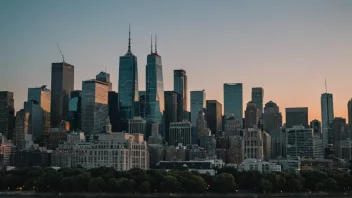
(203, 167)
(257, 165)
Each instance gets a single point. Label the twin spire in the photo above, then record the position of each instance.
(151, 42)
(151, 45)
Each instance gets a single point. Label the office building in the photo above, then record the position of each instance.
(233, 100)
(266, 146)
(297, 116)
(278, 143)
(155, 105)
(114, 112)
(272, 118)
(180, 132)
(142, 103)
(214, 116)
(74, 108)
(128, 85)
(21, 129)
(180, 87)
(201, 127)
(7, 114)
(198, 103)
(137, 125)
(170, 113)
(316, 126)
(349, 109)
(94, 108)
(232, 126)
(104, 77)
(62, 83)
(257, 99)
(257, 165)
(251, 115)
(253, 144)
(35, 119)
(155, 138)
(327, 115)
(299, 142)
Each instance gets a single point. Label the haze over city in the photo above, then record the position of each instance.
(286, 47)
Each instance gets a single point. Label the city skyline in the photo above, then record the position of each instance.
(316, 45)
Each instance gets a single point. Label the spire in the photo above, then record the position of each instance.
(129, 38)
(156, 50)
(151, 44)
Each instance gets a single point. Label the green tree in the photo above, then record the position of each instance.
(125, 185)
(327, 185)
(112, 185)
(224, 183)
(144, 187)
(96, 184)
(171, 185)
(68, 184)
(264, 186)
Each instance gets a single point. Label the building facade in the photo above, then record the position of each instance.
(180, 87)
(137, 125)
(198, 103)
(297, 116)
(233, 100)
(104, 77)
(299, 142)
(253, 144)
(21, 128)
(7, 114)
(214, 116)
(272, 117)
(251, 115)
(257, 99)
(62, 83)
(180, 132)
(327, 115)
(170, 113)
(74, 108)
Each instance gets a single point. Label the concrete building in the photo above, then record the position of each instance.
(258, 98)
(214, 116)
(327, 115)
(316, 126)
(299, 142)
(202, 167)
(253, 144)
(180, 132)
(201, 124)
(339, 136)
(297, 116)
(233, 100)
(257, 165)
(94, 108)
(232, 126)
(7, 114)
(266, 146)
(278, 143)
(155, 138)
(137, 125)
(6, 148)
(272, 118)
(251, 115)
(62, 83)
(318, 147)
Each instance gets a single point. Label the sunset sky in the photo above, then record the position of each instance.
(286, 47)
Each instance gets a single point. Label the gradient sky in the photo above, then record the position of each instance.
(286, 47)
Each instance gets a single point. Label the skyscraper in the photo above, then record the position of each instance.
(104, 77)
(327, 115)
(180, 87)
(114, 112)
(142, 101)
(170, 112)
(75, 110)
(95, 109)
(349, 107)
(7, 114)
(198, 102)
(42, 97)
(251, 115)
(233, 100)
(257, 99)
(62, 83)
(21, 129)
(316, 126)
(272, 118)
(128, 85)
(154, 88)
(214, 116)
(296, 116)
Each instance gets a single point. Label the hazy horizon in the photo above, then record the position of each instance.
(286, 47)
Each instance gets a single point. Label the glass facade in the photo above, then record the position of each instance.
(154, 89)
(7, 114)
(62, 83)
(180, 87)
(327, 115)
(95, 109)
(257, 98)
(233, 100)
(198, 103)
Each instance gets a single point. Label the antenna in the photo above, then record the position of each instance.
(63, 58)
(326, 87)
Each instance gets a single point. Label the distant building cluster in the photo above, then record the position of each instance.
(153, 129)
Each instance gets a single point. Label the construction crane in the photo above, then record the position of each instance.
(63, 58)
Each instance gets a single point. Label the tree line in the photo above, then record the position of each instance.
(227, 180)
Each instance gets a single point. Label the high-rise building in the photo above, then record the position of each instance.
(349, 107)
(233, 100)
(214, 116)
(297, 116)
(257, 98)
(180, 132)
(114, 112)
(21, 129)
(7, 114)
(154, 88)
(253, 148)
(137, 125)
(266, 146)
(42, 97)
(198, 103)
(142, 103)
(202, 129)
(327, 115)
(170, 113)
(94, 108)
(104, 77)
(272, 118)
(232, 126)
(74, 115)
(128, 85)
(35, 119)
(316, 126)
(62, 83)
(180, 87)
(251, 115)
(299, 142)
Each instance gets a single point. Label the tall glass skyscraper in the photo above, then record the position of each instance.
(7, 114)
(128, 85)
(198, 103)
(154, 88)
(180, 87)
(257, 98)
(233, 100)
(62, 83)
(327, 115)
